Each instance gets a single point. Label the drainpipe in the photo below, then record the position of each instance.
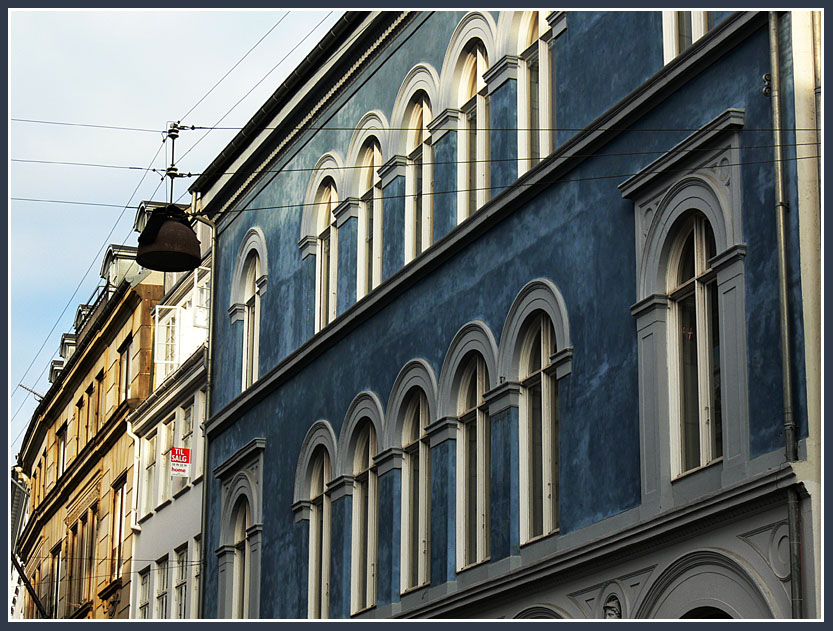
(208, 378)
(134, 503)
(786, 370)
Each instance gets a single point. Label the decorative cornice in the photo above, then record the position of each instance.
(340, 487)
(444, 122)
(558, 24)
(388, 460)
(392, 169)
(655, 301)
(441, 430)
(729, 121)
(347, 209)
(727, 258)
(562, 362)
(253, 448)
(503, 396)
(236, 312)
(503, 70)
(308, 246)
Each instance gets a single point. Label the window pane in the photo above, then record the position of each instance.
(472, 158)
(683, 30)
(418, 202)
(471, 492)
(552, 405)
(369, 244)
(534, 151)
(413, 509)
(689, 412)
(361, 570)
(536, 514)
(714, 386)
(687, 260)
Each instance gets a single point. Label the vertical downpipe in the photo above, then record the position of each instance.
(786, 370)
(207, 403)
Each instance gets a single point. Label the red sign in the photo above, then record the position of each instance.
(180, 461)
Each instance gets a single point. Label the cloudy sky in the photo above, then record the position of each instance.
(80, 75)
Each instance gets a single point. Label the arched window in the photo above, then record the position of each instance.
(418, 178)
(371, 199)
(416, 489)
(694, 347)
(365, 518)
(242, 562)
(318, 595)
(473, 176)
(538, 430)
(473, 453)
(251, 319)
(534, 107)
(326, 200)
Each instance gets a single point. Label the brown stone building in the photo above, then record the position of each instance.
(77, 452)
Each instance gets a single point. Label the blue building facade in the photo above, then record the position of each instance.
(496, 325)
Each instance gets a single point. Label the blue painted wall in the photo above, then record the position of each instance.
(578, 233)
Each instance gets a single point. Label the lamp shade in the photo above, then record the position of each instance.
(168, 243)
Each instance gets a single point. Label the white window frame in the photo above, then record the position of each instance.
(318, 587)
(474, 66)
(161, 599)
(534, 49)
(195, 589)
(151, 473)
(202, 297)
(251, 319)
(416, 454)
(181, 584)
(702, 287)
(365, 521)
(144, 594)
(546, 379)
(166, 354)
(418, 221)
(168, 435)
(670, 31)
(326, 200)
(369, 229)
(474, 419)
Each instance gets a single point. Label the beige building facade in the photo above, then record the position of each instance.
(77, 453)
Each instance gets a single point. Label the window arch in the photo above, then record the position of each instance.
(311, 504)
(318, 592)
(418, 178)
(473, 132)
(248, 287)
(411, 408)
(538, 430)
(416, 491)
(251, 320)
(534, 91)
(326, 199)
(370, 232)
(473, 462)
(242, 558)
(238, 556)
(694, 343)
(365, 517)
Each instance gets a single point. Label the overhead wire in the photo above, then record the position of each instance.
(137, 187)
(432, 163)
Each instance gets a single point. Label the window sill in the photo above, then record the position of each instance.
(144, 517)
(163, 504)
(470, 566)
(413, 589)
(82, 610)
(691, 472)
(365, 610)
(181, 491)
(539, 538)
